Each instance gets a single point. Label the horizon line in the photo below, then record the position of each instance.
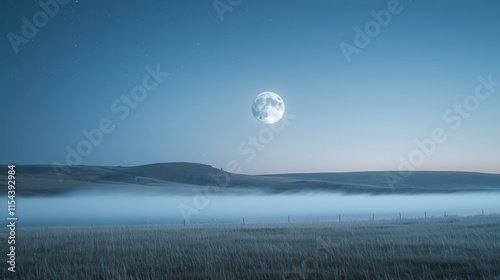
(257, 174)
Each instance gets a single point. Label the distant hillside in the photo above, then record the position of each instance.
(49, 180)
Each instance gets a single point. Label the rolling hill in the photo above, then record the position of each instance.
(181, 177)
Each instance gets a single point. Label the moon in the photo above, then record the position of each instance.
(268, 107)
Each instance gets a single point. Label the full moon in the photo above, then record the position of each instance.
(268, 107)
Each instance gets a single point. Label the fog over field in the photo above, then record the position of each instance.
(112, 207)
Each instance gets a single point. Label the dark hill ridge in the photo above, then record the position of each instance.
(182, 172)
(432, 180)
(181, 176)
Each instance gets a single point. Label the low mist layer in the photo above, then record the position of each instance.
(112, 207)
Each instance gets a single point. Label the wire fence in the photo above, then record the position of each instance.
(338, 218)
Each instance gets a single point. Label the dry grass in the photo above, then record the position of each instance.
(441, 248)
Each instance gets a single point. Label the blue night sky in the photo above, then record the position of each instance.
(417, 74)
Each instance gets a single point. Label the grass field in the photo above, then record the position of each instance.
(433, 248)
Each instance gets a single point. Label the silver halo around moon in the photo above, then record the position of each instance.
(268, 107)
